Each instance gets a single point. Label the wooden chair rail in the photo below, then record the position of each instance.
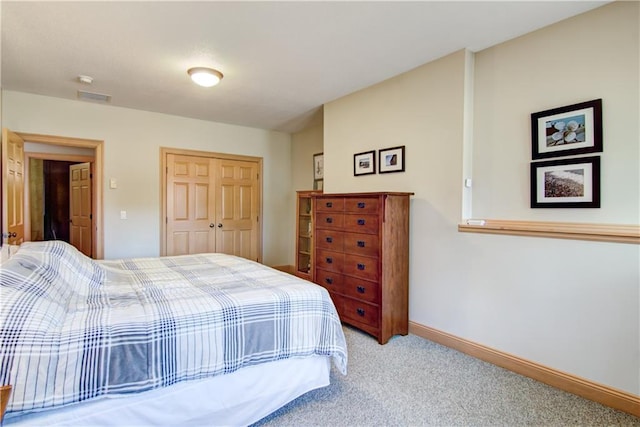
(558, 230)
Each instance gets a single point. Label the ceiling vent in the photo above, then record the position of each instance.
(93, 97)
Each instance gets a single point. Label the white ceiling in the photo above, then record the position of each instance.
(281, 60)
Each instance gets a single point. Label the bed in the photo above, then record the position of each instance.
(207, 339)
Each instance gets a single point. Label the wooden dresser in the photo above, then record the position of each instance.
(361, 256)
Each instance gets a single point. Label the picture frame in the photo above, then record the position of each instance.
(318, 184)
(573, 129)
(318, 166)
(566, 183)
(391, 159)
(364, 163)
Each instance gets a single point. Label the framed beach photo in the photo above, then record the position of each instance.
(391, 159)
(566, 183)
(570, 130)
(364, 163)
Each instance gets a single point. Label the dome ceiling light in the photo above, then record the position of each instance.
(203, 76)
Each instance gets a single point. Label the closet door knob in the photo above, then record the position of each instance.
(212, 225)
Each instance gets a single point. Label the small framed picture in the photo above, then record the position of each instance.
(566, 183)
(318, 166)
(391, 159)
(364, 163)
(564, 131)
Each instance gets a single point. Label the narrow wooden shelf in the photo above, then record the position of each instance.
(557, 230)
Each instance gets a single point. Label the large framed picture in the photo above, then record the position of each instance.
(391, 159)
(364, 163)
(570, 130)
(566, 183)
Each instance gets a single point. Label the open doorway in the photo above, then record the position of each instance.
(49, 199)
(60, 202)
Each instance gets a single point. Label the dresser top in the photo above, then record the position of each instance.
(370, 194)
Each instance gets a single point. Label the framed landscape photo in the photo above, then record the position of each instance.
(391, 159)
(566, 183)
(318, 166)
(364, 163)
(564, 131)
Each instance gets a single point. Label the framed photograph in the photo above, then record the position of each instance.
(318, 166)
(364, 163)
(566, 183)
(391, 159)
(564, 131)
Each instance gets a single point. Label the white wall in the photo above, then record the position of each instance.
(570, 305)
(132, 141)
(304, 145)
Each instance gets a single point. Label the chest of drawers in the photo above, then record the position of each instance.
(362, 258)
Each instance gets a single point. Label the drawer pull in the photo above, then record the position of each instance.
(329, 260)
(360, 266)
(361, 205)
(329, 204)
(329, 220)
(361, 243)
(361, 289)
(329, 280)
(361, 221)
(360, 311)
(329, 239)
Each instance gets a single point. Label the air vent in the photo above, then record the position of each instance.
(93, 97)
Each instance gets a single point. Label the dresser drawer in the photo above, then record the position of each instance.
(360, 311)
(331, 280)
(330, 220)
(331, 240)
(330, 204)
(360, 266)
(360, 289)
(364, 223)
(361, 244)
(362, 205)
(329, 260)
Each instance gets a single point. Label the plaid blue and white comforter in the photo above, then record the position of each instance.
(72, 329)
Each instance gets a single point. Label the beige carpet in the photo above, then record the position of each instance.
(414, 382)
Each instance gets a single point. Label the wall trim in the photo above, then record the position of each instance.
(605, 395)
(559, 230)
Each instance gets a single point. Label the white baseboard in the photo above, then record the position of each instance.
(608, 396)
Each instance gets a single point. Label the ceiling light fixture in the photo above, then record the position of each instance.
(206, 77)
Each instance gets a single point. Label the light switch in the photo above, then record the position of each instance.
(113, 183)
(123, 214)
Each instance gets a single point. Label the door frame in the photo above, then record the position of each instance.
(97, 181)
(207, 154)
